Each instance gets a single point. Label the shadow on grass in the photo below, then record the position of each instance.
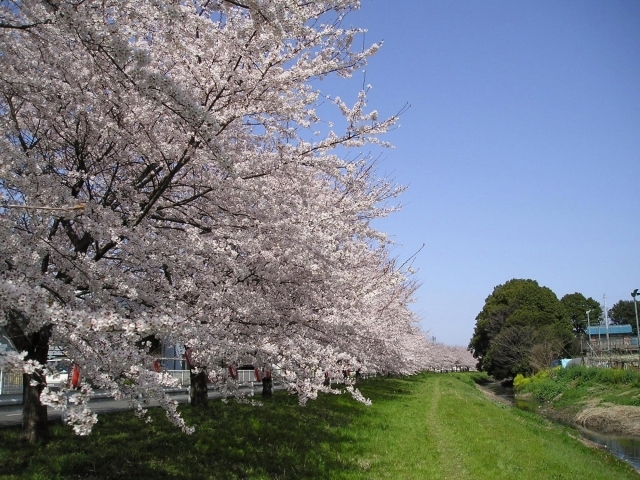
(388, 388)
(278, 440)
(480, 378)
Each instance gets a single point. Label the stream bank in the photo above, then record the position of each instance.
(614, 427)
(607, 419)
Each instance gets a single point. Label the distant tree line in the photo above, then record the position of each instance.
(523, 327)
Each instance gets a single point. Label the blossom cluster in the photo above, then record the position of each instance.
(165, 174)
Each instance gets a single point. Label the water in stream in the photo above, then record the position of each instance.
(625, 448)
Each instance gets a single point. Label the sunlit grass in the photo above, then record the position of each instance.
(425, 427)
(446, 429)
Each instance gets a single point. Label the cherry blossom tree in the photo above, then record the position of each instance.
(165, 174)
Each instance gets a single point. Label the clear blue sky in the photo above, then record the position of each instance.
(521, 147)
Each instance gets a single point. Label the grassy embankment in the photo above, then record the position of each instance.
(571, 386)
(601, 398)
(426, 427)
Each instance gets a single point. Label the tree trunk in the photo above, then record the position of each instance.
(198, 391)
(35, 422)
(35, 426)
(267, 387)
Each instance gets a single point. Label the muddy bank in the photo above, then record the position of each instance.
(617, 419)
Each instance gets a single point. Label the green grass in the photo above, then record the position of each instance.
(433, 426)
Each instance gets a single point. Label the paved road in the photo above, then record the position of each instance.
(12, 414)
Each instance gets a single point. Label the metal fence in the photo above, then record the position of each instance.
(244, 377)
(10, 383)
(182, 376)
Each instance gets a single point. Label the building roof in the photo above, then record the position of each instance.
(613, 330)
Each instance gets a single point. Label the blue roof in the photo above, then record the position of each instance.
(613, 330)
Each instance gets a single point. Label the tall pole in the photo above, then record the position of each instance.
(589, 329)
(635, 306)
(599, 337)
(606, 323)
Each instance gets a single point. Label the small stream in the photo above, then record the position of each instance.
(625, 448)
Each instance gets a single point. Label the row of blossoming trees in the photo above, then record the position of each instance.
(165, 174)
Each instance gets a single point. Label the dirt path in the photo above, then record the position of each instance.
(450, 459)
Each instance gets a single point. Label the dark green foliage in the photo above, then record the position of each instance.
(623, 312)
(576, 306)
(517, 317)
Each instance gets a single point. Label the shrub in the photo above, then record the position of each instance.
(617, 376)
(546, 390)
(547, 384)
(542, 374)
(520, 382)
(607, 376)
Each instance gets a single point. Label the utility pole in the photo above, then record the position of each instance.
(589, 329)
(600, 337)
(606, 323)
(635, 306)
